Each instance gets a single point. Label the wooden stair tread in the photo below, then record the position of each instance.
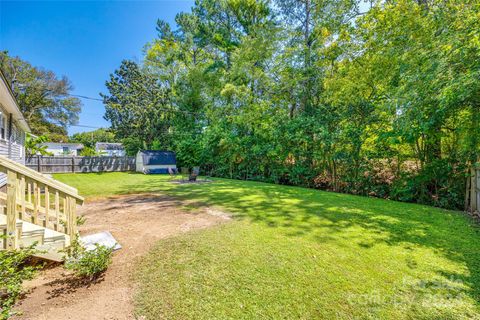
(49, 242)
(36, 209)
(3, 222)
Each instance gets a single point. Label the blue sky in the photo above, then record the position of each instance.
(84, 40)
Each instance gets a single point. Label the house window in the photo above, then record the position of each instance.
(3, 126)
(66, 150)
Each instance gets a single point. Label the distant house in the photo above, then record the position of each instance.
(155, 161)
(63, 149)
(110, 149)
(13, 127)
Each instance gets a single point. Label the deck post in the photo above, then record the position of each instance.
(71, 217)
(12, 210)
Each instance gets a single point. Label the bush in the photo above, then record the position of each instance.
(88, 263)
(13, 271)
(438, 184)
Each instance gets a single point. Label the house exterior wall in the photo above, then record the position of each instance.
(12, 145)
(112, 153)
(57, 149)
(17, 144)
(110, 149)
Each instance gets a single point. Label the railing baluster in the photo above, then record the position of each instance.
(47, 206)
(36, 194)
(23, 200)
(57, 211)
(11, 210)
(71, 217)
(17, 187)
(29, 191)
(22, 197)
(65, 221)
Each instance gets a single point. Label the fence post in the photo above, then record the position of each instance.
(467, 195)
(38, 163)
(477, 190)
(73, 164)
(11, 210)
(473, 190)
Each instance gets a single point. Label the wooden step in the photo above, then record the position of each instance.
(45, 206)
(26, 240)
(50, 243)
(3, 230)
(49, 254)
(53, 243)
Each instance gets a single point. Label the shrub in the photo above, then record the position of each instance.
(437, 184)
(13, 271)
(88, 263)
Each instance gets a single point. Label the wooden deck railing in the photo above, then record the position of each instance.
(33, 197)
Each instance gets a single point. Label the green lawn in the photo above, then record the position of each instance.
(300, 253)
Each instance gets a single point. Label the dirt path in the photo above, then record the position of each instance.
(136, 222)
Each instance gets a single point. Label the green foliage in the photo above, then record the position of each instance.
(298, 253)
(88, 152)
(33, 145)
(132, 145)
(13, 271)
(42, 96)
(88, 263)
(137, 106)
(89, 139)
(313, 93)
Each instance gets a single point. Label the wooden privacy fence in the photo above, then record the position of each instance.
(80, 164)
(472, 195)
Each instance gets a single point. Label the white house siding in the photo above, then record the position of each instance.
(110, 149)
(12, 137)
(13, 146)
(4, 142)
(112, 153)
(56, 148)
(4, 148)
(15, 149)
(17, 152)
(58, 151)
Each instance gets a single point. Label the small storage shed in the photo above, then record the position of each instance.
(155, 161)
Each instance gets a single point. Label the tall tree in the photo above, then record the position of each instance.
(136, 106)
(90, 138)
(44, 99)
(384, 102)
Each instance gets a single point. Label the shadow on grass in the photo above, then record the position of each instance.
(327, 217)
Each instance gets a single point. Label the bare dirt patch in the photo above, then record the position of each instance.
(137, 222)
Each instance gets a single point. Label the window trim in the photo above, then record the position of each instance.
(4, 126)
